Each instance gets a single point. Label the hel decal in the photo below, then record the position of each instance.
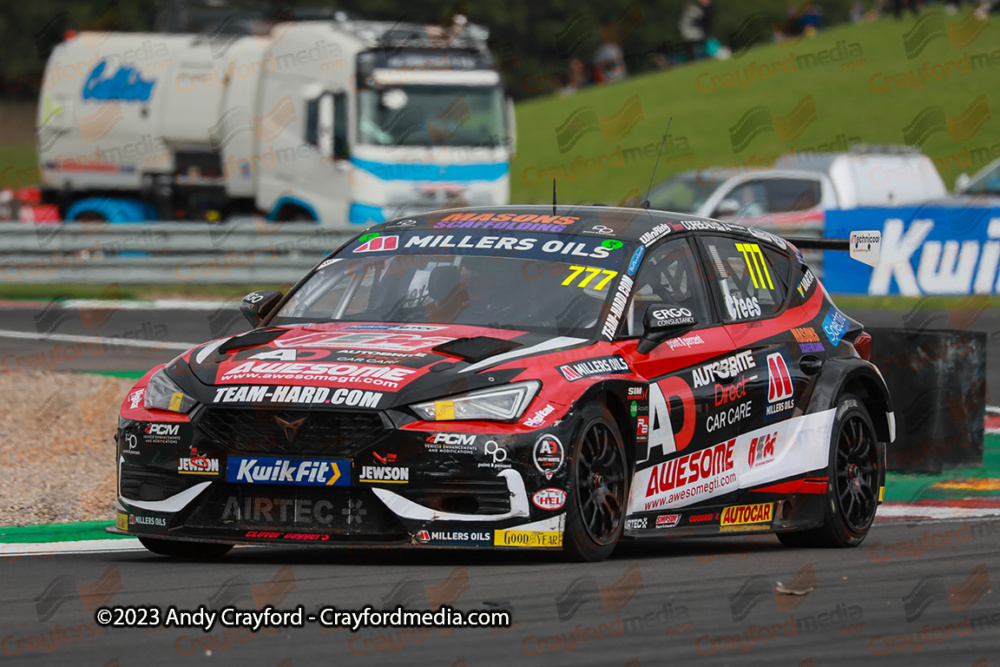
(549, 499)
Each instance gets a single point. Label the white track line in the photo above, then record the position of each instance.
(77, 547)
(112, 341)
(903, 511)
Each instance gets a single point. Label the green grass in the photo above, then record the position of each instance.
(846, 108)
(18, 166)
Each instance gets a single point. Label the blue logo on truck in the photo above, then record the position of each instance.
(126, 84)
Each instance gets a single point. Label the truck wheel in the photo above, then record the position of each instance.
(853, 478)
(595, 512)
(188, 550)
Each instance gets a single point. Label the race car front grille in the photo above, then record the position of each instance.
(142, 482)
(463, 496)
(305, 432)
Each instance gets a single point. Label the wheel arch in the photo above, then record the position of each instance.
(861, 378)
(614, 396)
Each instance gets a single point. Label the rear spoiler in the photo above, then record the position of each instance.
(864, 246)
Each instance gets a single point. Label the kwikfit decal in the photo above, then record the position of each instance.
(295, 472)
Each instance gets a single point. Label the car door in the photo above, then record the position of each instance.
(750, 280)
(695, 388)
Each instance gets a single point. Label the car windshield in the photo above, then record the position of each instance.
(682, 194)
(550, 283)
(985, 184)
(432, 116)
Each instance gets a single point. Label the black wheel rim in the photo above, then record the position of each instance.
(600, 477)
(857, 473)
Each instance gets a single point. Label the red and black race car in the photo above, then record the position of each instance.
(520, 377)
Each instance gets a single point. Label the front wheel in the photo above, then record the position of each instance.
(852, 488)
(188, 550)
(598, 488)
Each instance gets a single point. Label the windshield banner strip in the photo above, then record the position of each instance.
(545, 247)
(417, 171)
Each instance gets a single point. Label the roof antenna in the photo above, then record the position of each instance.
(553, 196)
(645, 202)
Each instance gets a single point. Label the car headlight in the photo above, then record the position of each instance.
(162, 393)
(504, 403)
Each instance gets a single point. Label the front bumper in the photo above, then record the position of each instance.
(434, 489)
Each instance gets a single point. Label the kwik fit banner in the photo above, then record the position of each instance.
(925, 250)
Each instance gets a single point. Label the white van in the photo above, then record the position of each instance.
(793, 194)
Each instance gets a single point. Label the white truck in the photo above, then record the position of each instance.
(792, 195)
(339, 121)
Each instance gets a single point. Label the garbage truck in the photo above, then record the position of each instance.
(344, 122)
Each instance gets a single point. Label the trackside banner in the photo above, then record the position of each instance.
(925, 250)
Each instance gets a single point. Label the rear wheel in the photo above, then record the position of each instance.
(852, 489)
(598, 487)
(180, 549)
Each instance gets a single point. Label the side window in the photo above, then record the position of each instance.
(744, 201)
(326, 125)
(748, 285)
(669, 275)
(793, 194)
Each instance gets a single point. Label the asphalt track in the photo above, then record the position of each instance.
(913, 594)
(677, 602)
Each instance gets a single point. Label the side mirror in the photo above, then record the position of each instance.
(255, 306)
(727, 207)
(962, 182)
(663, 321)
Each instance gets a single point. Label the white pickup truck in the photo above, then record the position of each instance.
(793, 194)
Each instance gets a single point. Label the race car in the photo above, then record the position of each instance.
(523, 377)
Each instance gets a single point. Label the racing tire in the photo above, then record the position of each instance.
(598, 488)
(853, 480)
(187, 550)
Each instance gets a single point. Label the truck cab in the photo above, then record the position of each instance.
(339, 121)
